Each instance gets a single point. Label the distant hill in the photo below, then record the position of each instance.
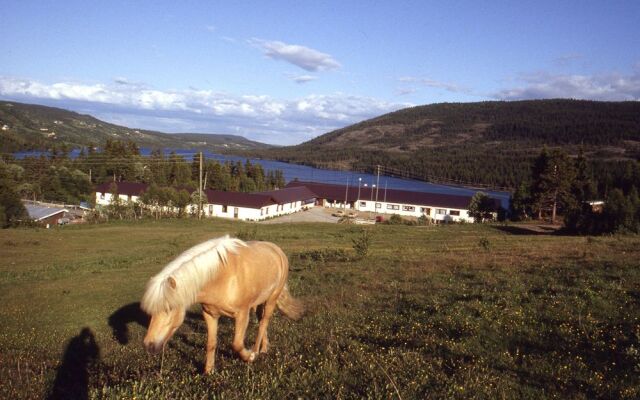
(35, 127)
(486, 142)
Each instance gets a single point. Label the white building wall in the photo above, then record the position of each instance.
(244, 213)
(414, 210)
(104, 199)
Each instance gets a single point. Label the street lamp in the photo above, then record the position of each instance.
(359, 182)
(373, 187)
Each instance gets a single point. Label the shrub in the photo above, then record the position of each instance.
(395, 219)
(361, 243)
(484, 243)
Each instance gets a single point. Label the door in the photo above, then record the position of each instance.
(235, 212)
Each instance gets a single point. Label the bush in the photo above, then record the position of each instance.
(484, 243)
(361, 243)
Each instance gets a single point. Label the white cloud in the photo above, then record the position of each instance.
(259, 117)
(450, 87)
(607, 87)
(301, 56)
(301, 78)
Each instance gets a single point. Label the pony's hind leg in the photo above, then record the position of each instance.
(242, 320)
(262, 342)
(212, 341)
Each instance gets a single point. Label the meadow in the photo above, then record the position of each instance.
(457, 311)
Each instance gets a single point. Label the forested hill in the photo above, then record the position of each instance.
(486, 142)
(35, 127)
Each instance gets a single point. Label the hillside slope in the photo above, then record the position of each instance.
(35, 127)
(486, 142)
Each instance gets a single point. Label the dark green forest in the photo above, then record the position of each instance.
(481, 144)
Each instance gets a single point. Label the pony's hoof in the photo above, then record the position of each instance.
(252, 357)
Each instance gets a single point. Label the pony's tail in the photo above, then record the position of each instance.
(291, 307)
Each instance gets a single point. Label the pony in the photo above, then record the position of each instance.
(228, 277)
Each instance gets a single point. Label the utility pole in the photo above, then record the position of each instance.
(385, 191)
(200, 190)
(377, 189)
(377, 182)
(359, 182)
(346, 191)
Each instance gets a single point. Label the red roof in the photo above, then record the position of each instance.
(290, 194)
(337, 192)
(249, 200)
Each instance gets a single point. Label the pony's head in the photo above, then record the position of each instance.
(163, 324)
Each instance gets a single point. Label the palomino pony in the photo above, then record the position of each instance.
(229, 278)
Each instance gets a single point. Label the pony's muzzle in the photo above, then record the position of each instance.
(152, 347)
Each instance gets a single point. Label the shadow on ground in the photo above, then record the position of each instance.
(72, 377)
(121, 318)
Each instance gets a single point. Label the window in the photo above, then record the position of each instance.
(408, 208)
(363, 204)
(441, 211)
(101, 196)
(224, 209)
(266, 210)
(378, 205)
(425, 210)
(393, 207)
(454, 212)
(210, 209)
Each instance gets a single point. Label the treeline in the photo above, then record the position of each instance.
(559, 121)
(559, 184)
(484, 143)
(58, 177)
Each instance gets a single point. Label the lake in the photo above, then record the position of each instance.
(306, 173)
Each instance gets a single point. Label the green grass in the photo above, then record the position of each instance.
(440, 312)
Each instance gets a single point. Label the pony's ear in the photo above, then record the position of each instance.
(171, 282)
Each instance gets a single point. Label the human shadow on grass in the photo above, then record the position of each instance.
(121, 318)
(72, 377)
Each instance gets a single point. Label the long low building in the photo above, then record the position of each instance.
(299, 195)
(254, 206)
(437, 206)
(258, 205)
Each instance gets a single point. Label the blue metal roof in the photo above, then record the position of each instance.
(41, 212)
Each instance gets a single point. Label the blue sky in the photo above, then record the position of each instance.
(284, 72)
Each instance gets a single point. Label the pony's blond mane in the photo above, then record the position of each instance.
(191, 270)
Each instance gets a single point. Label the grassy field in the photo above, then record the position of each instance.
(456, 311)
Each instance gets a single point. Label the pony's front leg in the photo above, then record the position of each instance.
(212, 341)
(242, 320)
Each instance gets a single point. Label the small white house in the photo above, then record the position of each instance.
(127, 192)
